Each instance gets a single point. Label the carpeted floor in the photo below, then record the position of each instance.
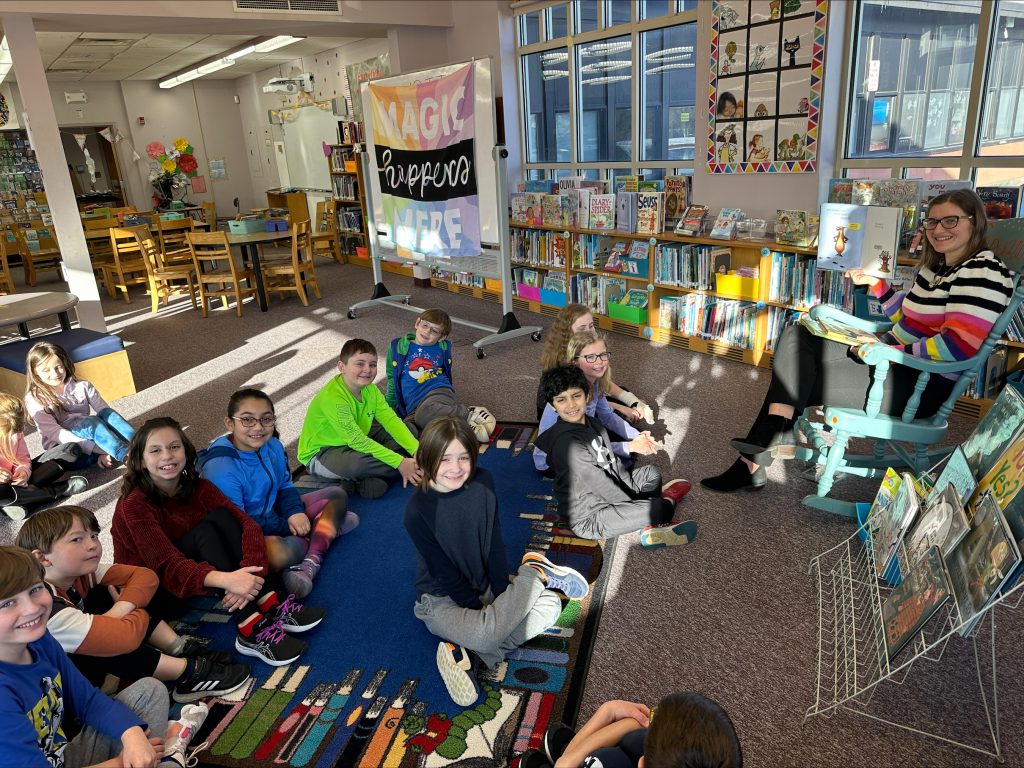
(733, 615)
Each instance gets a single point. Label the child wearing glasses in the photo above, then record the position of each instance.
(419, 371)
(249, 466)
(959, 291)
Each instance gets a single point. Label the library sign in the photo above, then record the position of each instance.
(424, 145)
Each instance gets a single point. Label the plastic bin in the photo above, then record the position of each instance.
(492, 284)
(531, 292)
(637, 315)
(554, 298)
(276, 225)
(864, 306)
(171, 216)
(246, 226)
(736, 286)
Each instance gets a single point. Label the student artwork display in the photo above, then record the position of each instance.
(424, 144)
(767, 59)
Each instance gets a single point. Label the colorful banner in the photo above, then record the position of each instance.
(424, 144)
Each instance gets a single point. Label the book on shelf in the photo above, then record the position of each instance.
(625, 211)
(932, 187)
(600, 186)
(650, 212)
(650, 185)
(602, 212)
(569, 205)
(541, 186)
(863, 191)
(725, 224)
(983, 562)
(616, 254)
(692, 221)
(992, 377)
(953, 471)
(553, 282)
(583, 195)
(721, 260)
(668, 312)
(791, 227)
(999, 428)
(891, 526)
(859, 237)
(942, 523)
(1000, 202)
(840, 190)
(635, 297)
(677, 195)
(613, 289)
(551, 210)
(520, 202)
(903, 194)
(627, 183)
(837, 330)
(566, 183)
(912, 604)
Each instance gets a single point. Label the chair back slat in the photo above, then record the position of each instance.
(124, 243)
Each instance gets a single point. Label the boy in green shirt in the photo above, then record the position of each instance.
(339, 440)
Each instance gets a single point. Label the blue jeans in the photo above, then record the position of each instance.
(109, 430)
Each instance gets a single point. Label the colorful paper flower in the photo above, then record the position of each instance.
(188, 164)
(169, 166)
(155, 150)
(181, 145)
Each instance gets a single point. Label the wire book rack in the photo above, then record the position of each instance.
(852, 659)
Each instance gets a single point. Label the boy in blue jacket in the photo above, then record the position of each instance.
(39, 686)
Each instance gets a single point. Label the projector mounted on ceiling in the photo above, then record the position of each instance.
(290, 85)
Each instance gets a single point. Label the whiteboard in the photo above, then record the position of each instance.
(305, 132)
(485, 138)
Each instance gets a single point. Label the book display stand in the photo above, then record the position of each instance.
(853, 659)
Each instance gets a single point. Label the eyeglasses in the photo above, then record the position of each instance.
(250, 421)
(947, 222)
(594, 358)
(431, 329)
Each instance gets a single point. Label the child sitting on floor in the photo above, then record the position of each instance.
(595, 492)
(250, 467)
(176, 523)
(99, 615)
(60, 405)
(685, 730)
(419, 371)
(25, 482)
(339, 440)
(465, 597)
(41, 691)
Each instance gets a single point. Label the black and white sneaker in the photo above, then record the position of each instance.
(458, 667)
(556, 739)
(266, 640)
(199, 647)
(295, 618)
(210, 679)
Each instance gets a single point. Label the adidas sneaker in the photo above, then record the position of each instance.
(482, 422)
(210, 679)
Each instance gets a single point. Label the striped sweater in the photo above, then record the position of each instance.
(948, 312)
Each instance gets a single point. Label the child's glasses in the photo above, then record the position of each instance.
(947, 222)
(250, 421)
(603, 356)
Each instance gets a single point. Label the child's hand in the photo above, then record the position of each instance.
(410, 472)
(644, 444)
(20, 477)
(245, 583)
(105, 461)
(619, 710)
(298, 524)
(139, 751)
(5, 476)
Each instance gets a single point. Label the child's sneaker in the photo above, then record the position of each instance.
(658, 536)
(299, 578)
(560, 578)
(675, 490)
(458, 668)
(196, 647)
(372, 487)
(209, 679)
(482, 422)
(71, 486)
(180, 735)
(266, 640)
(556, 739)
(295, 617)
(534, 758)
(349, 524)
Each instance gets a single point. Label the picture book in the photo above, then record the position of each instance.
(650, 212)
(955, 471)
(650, 185)
(725, 224)
(858, 237)
(721, 260)
(837, 330)
(533, 208)
(1005, 479)
(625, 211)
(639, 250)
(900, 193)
(840, 190)
(932, 187)
(541, 186)
(520, 203)
(913, 603)
(985, 559)
(569, 206)
(627, 183)
(668, 312)
(635, 298)
(1000, 202)
(863, 191)
(942, 524)
(884, 498)
(600, 186)
(614, 289)
(602, 212)
(616, 255)
(692, 220)
(553, 282)
(566, 183)
(997, 429)
(676, 199)
(893, 525)
(583, 195)
(791, 227)
(551, 207)
(1006, 237)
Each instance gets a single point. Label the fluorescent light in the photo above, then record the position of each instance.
(215, 66)
(184, 77)
(222, 63)
(276, 42)
(239, 54)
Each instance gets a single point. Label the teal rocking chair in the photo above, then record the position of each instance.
(889, 432)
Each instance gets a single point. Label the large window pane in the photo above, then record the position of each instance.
(529, 28)
(556, 20)
(1002, 118)
(933, 174)
(911, 77)
(668, 97)
(650, 9)
(546, 86)
(605, 72)
(618, 12)
(999, 177)
(586, 15)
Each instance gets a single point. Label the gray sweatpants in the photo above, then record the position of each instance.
(147, 698)
(438, 402)
(343, 463)
(614, 517)
(521, 612)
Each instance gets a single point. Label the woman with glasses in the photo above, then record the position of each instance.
(959, 291)
(249, 466)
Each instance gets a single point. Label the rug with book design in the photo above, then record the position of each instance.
(367, 692)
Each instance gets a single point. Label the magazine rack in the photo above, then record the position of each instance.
(852, 660)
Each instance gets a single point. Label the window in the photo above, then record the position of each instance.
(617, 12)
(586, 15)
(605, 77)
(529, 28)
(545, 77)
(668, 93)
(555, 22)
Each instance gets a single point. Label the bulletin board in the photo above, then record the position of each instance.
(767, 62)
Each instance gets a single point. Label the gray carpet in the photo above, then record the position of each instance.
(733, 615)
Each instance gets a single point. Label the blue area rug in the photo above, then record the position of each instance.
(367, 692)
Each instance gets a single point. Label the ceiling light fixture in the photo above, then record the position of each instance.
(216, 65)
(276, 42)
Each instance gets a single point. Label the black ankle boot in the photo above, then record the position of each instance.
(736, 478)
(770, 438)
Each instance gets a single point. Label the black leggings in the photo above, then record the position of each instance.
(810, 370)
(128, 666)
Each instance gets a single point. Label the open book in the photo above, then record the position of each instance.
(837, 330)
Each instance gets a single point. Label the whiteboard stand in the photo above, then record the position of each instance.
(497, 266)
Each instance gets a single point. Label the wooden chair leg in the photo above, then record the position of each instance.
(154, 295)
(300, 290)
(192, 291)
(238, 299)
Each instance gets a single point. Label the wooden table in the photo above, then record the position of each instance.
(19, 308)
(248, 243)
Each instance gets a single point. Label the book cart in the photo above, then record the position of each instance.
(852, 660)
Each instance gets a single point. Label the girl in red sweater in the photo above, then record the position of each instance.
(172, 521)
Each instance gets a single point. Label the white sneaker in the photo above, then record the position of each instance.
(482, 422)
(175, 747)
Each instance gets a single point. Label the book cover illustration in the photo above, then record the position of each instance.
(551, 207)
(790, 227)
(932, 187)
(998, 428)
(858, 237)
(668, 312)
(840, 190)
(692, 220)
(635, 298)
(627, 183)
(602, 212)
(884, 497)
(676, 199)
(650, 185)
(837, 330)
(901, 193)
(725, 224)
(625, 211)
(955, 471)
(541, 186)
(1000, 202)
(520, 204)
(569, 205)
(1005, 479)
(583, 195)
(650, 212)
(639, 250)
(567, 183)
(616, 256)
(533, 209)
(863, 191)
(893, 525)
(983, 562)
(942, 524)
(721, 260)
(913, 603)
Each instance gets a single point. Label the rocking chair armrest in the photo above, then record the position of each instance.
(874, 353)
(827, 312)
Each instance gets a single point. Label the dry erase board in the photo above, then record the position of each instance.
(305, 131)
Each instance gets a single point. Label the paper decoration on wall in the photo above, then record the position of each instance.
(764, 96)
(361, 72)
(218, 170)
(198, 184)
(89, 162)
(326, 148)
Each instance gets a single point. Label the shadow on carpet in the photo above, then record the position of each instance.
(367, 692)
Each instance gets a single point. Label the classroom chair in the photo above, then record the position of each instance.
(173, 246)
(214, 265)
(6, 280)
(43, 257)
(164, 280)
(298, 271)
(325, 238)
(127, 266)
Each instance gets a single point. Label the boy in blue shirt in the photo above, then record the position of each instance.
(38, 685)
(419, 367)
